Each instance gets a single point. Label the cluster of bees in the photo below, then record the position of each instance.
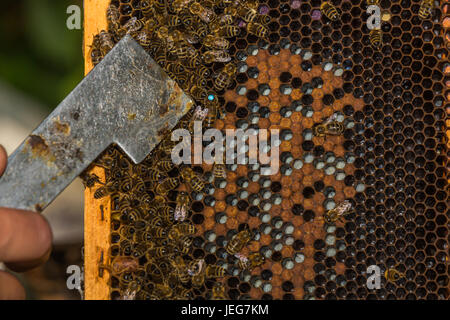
(186, 37)
(375, 35)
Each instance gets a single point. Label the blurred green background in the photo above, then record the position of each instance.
(41, 61)
(39, 55)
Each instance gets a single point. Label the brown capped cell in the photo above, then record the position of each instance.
(317, 94)
(263, 67)
(286, 215)
(274, 73)
(274, 118)
(306, 77)
(277, 268)
(316, 71)
(220, 229)
(338, 105)
(285, 55)
(262, 55)
(327, 88)
(296, 94)
(286, 204)
(285, 100)
(349, 192)
(309, 273)
(339, 197)
(219, 194)
(208, 212)
(220, 206)
(287, 251)
(253, 187)
(295, 185)
(337, 82)
(251, 84)
(317, 116)
(285, 123)
(340, 268)
(277, 292)
(299, 293)
(285, 146)
(274, 61)
(241, 101)
(242, 216)
(263, 101)
(230, 95)
(266, 239)
(285, 66)
(241, 170)
(208, 223)
(308, 168)
(287, 275)
(286, 192)
(276, 281)
(232, 223)
(263, 78)
(231, 211)
(251, 61)
(295, 60)
(309, 204)
(307, 122)
(296, 71)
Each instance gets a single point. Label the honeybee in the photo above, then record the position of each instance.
(238, 242)
(158, 252)
(218, 292)
(166, 213)
(107, 189)
(257, 29)
(113, 16)
(156, 232)
(214, 271)
(96, 56)
(343, 209)
(196, 267)
(425, 8)
(329, 11)
(198, 93)
(131, 27)
(121, 264)
(179, 230)
(329, 127)
(227, 31)
(223, 78)
(181, 269)
(393, 275)
(183, 200)
(205, 14)
(143, 38)
(185, 244)
(89, 180)
(219, 170)
(167, 185)
(147, 9)
(216, 56)
(213, 113)
(192, 179)
(375, 36)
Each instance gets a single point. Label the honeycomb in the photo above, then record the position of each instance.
(387, 161)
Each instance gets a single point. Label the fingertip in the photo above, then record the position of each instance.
(3, 159)
(11, 288)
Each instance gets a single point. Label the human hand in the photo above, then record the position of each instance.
(25, 243)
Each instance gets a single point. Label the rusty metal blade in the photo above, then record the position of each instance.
(127, 99)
